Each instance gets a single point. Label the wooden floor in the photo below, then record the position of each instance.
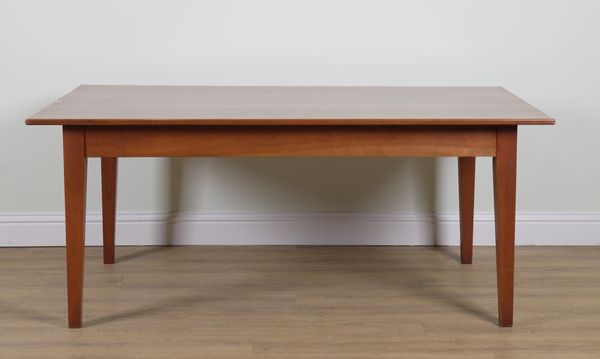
(300, 302)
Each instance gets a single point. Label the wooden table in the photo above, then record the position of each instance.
(224, 121)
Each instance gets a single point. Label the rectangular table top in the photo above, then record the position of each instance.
(288, 105)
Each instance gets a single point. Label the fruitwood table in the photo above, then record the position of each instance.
(245, 121)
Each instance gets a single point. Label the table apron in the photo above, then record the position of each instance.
(289, 141)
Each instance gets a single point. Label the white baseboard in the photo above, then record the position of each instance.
(543, 228)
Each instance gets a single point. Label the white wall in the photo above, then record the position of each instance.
(547, 52)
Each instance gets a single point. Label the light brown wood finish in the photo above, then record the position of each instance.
(142, 121)
(289, 105)
(505, 182)
(75, 169)
(292, 302)
(466, 200)
(109, 207)
(314, 141)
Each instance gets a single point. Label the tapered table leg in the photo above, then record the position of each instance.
(75, 167)
(505, 174)
(109, 202)
(466, 190)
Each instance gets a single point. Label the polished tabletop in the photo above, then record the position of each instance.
(288, 105)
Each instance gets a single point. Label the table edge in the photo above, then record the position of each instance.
(292, 122)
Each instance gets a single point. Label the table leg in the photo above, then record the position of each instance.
(466, 190)
(75, 167)
(109, 201)
(505, 174)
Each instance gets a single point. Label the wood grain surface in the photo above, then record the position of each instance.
(287, 141)
(274, 302)
(109, 169)
(288, 105)
(466, 202)
(505, 184)
(75, 168)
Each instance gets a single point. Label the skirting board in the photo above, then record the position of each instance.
(544, 228)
